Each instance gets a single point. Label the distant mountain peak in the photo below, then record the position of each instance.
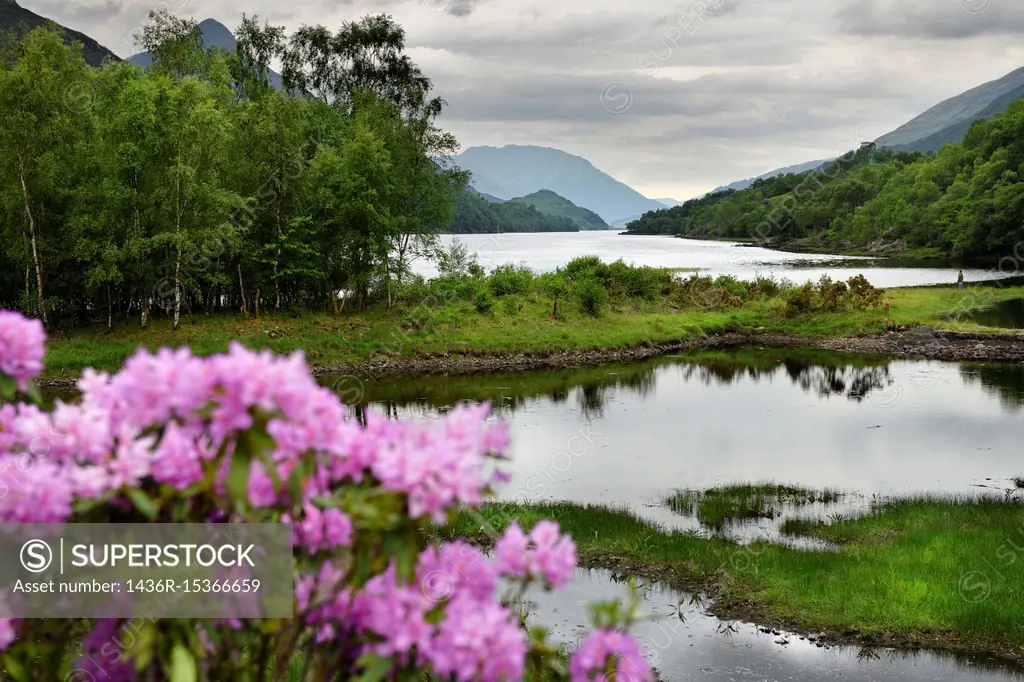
(215, 34)
(520, 170)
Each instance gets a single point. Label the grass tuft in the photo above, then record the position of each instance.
(723, 506)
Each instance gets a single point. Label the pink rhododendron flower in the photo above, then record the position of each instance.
(8, 632)
(591, 658)
(22, 347)
(544, 553)
(478, 640)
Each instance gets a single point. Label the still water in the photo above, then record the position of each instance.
(684, 643)
(545, 252)
(630, 435)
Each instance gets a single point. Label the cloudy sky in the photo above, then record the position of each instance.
(671, 99)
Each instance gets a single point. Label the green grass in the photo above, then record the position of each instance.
(924, 571)
(722, 506)
(336, 341)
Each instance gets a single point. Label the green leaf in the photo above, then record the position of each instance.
(14, 668)
(8, 386)
(375, 667)
(143, 648)
(142, 502)
(238, 477)
(183, 665)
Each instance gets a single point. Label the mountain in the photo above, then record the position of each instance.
(515, 171)
(549, 203)
(489, 197)
(950, 120)
(15, 18)
(475, 215)
(215, 34)
(669, 202)
(797, 169)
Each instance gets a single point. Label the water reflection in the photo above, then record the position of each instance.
(683, 642)
(631, 435)
(1004, 381)
(822, 374)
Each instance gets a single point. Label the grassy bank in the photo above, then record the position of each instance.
(525, 322)
(918, 572)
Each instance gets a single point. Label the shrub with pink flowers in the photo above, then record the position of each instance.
(251, 437)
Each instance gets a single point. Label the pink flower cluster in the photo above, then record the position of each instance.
(166, 415)
(544, 553)
(22, 347)
(590, 661)
(476, 639)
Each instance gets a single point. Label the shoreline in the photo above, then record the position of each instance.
(924, 343)
(734, 607)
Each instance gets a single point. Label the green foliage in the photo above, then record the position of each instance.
(195, 187)
(591, 297)
(966, 199)
(483, 302)
(510, 279)
(510, 305)
(829, 296)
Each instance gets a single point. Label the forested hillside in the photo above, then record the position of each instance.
(967, 199)
(196, 186)
(474, 215)
(553, 204)
(15, 21)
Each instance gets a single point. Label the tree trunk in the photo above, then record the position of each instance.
(32, 239)
(110, 311)
(241, 289)
(256, 303)
(177, 289)
(144, 306)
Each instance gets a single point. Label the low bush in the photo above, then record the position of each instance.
(591, 297)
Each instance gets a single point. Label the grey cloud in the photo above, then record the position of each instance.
(759, 84)
(931, 19)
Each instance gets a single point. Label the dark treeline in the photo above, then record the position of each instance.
(965, 200)
(197, 187)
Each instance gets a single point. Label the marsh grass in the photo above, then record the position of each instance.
(726, 505)
(418, 331)
(926, 570)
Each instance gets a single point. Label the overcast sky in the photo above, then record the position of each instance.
(673, 100)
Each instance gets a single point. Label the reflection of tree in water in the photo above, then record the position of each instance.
(824, 380)
(823, 374)
(593, 396)
(591, 388)
(1004, 381)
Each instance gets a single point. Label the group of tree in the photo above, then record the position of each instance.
(196, 185)
(966, 199)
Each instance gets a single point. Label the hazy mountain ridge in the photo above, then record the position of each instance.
(797, 169)
(949, 120)
(14, 17)
(515, 171)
